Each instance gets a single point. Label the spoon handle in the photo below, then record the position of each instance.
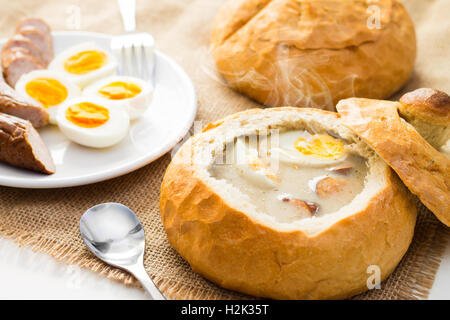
(147, 283)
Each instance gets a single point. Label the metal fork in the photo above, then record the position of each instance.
(133, 49)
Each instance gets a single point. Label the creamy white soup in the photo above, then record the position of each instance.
(294, 175)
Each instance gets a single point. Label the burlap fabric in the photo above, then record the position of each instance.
(47, 220)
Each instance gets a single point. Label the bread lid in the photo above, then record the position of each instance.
(423, 169)
(428, 110)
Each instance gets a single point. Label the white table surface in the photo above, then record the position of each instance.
(25, 274)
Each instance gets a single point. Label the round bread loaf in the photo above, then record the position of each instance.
(314, 53)
(428, 110)
(224, 237)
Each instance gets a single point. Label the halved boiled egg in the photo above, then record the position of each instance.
(48, 89)
(133, 93)
(84, 63)
(303, 148)
(253, 168)
(91, 122)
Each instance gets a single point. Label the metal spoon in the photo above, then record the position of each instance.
(115, 235)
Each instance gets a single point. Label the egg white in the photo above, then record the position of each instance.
(72, 90)
(106, 135)
(247, 155)
(82, 80)
(287, 153)
(137, 105)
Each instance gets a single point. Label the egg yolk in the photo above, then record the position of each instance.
(85, 62)
(320, 145)
(119, 90)
(49, 92)
(87, 115)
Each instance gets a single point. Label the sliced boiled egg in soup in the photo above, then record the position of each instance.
(303, 148)
(91, 122)
(48, 89)
(252, 167)
(133, 93)
(84, 63)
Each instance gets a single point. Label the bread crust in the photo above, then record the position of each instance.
(424, 170)
(237, 252)
(429, 105)
(287, 52)
(428, 110)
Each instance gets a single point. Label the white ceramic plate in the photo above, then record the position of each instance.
(164, 124)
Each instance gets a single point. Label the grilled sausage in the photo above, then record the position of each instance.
(21, 145)
(306, 208)
(14, 104)
(30, 49)
(42, 41)
(21, 41)
(35, 23)
(17, 61)
(328, 187)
